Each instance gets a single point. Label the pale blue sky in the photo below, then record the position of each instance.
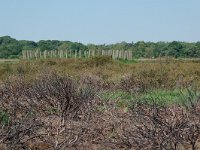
(101, 21)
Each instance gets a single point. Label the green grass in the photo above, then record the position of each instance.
(122, 98)
(169, 97)
(161, 97)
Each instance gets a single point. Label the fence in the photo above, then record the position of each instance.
(115, 54)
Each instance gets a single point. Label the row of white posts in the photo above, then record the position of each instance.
(115, 54)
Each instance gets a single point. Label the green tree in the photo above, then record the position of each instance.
(175, 49)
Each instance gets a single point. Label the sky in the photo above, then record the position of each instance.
(101, 21)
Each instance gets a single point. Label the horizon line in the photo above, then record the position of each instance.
(111, 43)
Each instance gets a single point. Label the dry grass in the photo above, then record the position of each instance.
(169, 73)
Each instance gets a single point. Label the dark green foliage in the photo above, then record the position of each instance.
(9, 47)
(48, 45)
(12, 48)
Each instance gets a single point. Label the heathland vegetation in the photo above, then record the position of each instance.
(100, 103)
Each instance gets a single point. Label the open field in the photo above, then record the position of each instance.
(99, 103)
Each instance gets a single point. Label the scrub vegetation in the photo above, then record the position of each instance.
(100, 103)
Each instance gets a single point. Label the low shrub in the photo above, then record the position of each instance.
(99, 60)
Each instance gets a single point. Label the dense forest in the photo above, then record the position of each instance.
(12, 48)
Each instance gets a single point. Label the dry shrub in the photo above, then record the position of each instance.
(177, 73)
(61, 93)
(31, 108)
(155, 78)
(99, 60)
(96, 82)
(93, 80)
(144, 80)
(56, 113)
(162, 127)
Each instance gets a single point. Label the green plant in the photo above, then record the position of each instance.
(51, 110)
(190, 98)
(4, 117)
(121, 98)
(163, 97)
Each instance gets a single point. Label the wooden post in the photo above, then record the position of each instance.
(98, 52)
(27, 52)
(66, 54)
(55, 53)
(30, 57)
(120, 54)
(30, 54)
(70, 53)
(117, 54)
(49, 54)
(40, 54)
(75, 54)
(130, 55)
(109, 52)
(89, 53)
(106, 52)
(45, 54)
(113, 54)
(60, 53)
(93, 53)
(36, 55)
(79, 53)
(125, 55)
(23, 55)
(85, 54)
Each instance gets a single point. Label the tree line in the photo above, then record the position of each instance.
(12, 48)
